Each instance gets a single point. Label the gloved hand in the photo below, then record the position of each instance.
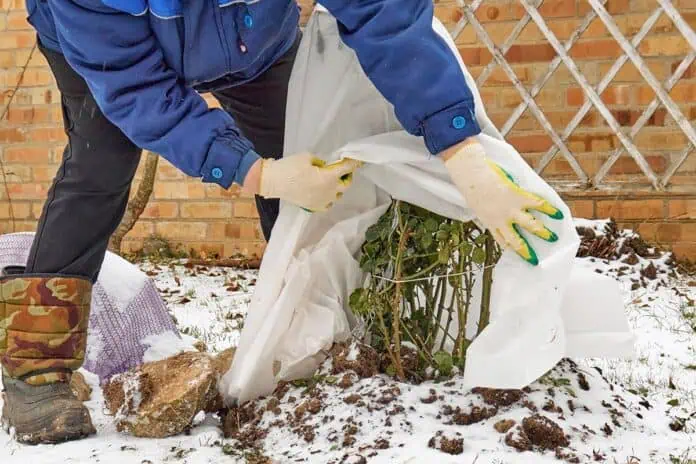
(306, 180)
(501, 205)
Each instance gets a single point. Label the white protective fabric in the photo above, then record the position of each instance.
(300, 305)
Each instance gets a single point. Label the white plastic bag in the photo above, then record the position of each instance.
(300, 305)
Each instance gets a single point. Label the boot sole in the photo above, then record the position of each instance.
(44, 430)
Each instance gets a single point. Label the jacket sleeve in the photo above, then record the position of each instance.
(119, 58)
(411, 65)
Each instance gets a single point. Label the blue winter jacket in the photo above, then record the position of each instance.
(146, 61)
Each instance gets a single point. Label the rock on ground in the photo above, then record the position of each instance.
(79, 387)
(162, 398)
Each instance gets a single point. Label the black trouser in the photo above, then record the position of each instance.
(89, 194)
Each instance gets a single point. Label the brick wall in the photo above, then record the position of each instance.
(204, 217)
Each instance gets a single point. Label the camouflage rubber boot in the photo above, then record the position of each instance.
(43, 334)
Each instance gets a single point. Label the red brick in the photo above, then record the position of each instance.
(166, 171)
(474, 56)
(18, 22)
(44, 173)
(663, 45)
(182, 230)
(582, 208)
(28, 191)
(617, 94)
(27, 154)
(684, 250)
(18, 39)
(531, 53)
(530, 143)
(29, 115)
(684, 92)
(630, 117)
(19, 210)
(448, 13)
(141, 229)
(206, 209)
(178, 190)
(217, 192)
(12, 135)
(630, 209)
(681, 209)
(575, 96)
(593, 49)
(161, 210)
(245, 209)
(551, 8)
(46, 134)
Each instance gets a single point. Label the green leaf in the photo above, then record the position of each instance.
(444, 362)
(673, 402)
(372, 233)
(431, 225)
(391, 370)
(427, 242)
(479, 255)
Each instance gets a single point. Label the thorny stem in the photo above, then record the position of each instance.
(396, 303)
(485, 316)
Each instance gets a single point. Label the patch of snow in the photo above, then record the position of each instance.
(122, 280)
(164, 345)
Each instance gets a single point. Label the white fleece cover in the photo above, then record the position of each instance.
(300, 306)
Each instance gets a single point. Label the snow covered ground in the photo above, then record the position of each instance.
(633, 411)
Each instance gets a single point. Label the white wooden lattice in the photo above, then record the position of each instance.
(592, 92)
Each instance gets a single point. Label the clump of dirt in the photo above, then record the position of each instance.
(543, 432)
(409, 362)
(649, 272)
(445, 444)
(382, 443)
(503, 426)
(582, 381)
(474, 415)
(359, 358)
(519, 440)
(346, 381)
(498, 398)
(613, 244)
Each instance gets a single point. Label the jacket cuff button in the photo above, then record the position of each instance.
(217, 173)
(458, 122)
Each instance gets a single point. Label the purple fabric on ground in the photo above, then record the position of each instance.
(126, 308)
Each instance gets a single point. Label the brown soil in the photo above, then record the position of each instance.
(476, 414)
(365, 365)
(519, 440)
(447, 445)
(498, 398)
(582, 381)
(607, 246)
(503, 426)
(543, 432)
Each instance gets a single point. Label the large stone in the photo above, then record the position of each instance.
(162, 398)
(79, 387)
